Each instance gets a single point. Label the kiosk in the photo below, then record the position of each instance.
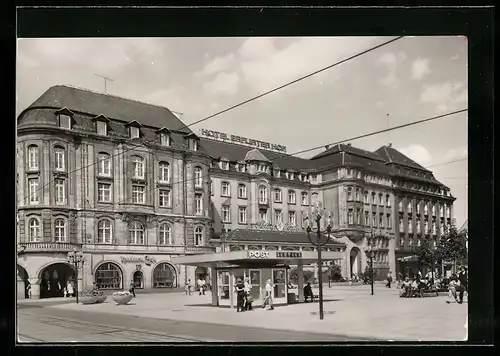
(259, 266)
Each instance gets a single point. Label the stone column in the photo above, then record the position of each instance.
(35, 288)
(300, 287)
(21, 288)
(215, 287)
(80, 285)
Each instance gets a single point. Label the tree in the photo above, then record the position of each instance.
(427, 253)
(453, 246)
(334, 272)
(294, 275)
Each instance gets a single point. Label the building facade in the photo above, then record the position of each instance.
(129, 185)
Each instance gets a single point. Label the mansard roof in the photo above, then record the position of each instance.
(255, 155)
(391, 155)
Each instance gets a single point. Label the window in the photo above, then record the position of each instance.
(195, 145)
(225, 191)
(165, 234)
(388, 200)
(401, 225)
(242, 211)
(33, 158)
(198, 236)
(291, 197)
(434, 228)
(263, 215)
(381, 220)
(278, 174)
(400, 205)
(418, 207)
(426, 209)
(102, 128)
(165, 198)
(134, 132)
(242, 191)
(357, 194)
(349, 194)
(164, 139)
(441, 210)
(292, 176)
(304, 197)
(426, 227)
(292, 218)
(225, 165)
(198, 181)
(104, 164)
(108, 276)
(374, 220)
(211, 188)
(164, 172)
(138, 166)
(261, 168)
(136, 232)
(373, 198)
(349, 217)
(59, 159)
(198, 200)
(33, 190)
(104, 232)
(262, 194)
(419, 226)
(60, 191)
(226, 214)
(381, 199)
(278, 216)
(60, 230)
(104, 192)
(65, 121)
(365, 197)
(138, 194)
(241, 167)
(164, 276)
(314, 178)
(367, 220)
(433, 210)
(34, 232)
(358, 216)
(277, 196)
(389, 221)
(410, 207)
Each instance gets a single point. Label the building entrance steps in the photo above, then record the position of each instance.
(349, 311)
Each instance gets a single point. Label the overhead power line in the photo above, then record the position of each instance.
(235, 106)
(448, 162)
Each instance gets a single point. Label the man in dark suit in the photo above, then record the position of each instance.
(464, 285)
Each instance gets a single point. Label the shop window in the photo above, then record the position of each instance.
(108, 276)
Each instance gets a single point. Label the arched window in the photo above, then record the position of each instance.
(263, 194)
(34, 233)
(164, 172)
(198, 236)
(104, 232)
(60, 230)
(108, 276)
(104, 166)
(59, 158)
(136, 231)
(33, 157)
(165, 234)
(198, 181)
(164, 276)
(138, 166)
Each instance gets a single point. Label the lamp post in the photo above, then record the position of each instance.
(75, 258)
(319, 212)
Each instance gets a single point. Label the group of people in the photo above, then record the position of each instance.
(244, 299)
(202, 286)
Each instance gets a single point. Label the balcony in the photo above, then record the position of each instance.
(48, 246)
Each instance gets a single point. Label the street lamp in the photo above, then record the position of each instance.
(319, 212)
(370, 254)
(75, 258)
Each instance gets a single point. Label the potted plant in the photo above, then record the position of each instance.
(88, 297)
(122, 297)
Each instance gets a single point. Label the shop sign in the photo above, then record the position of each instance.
(258, 254)
(262, 225)
(146, 260)
(288, 254)
(221, 136)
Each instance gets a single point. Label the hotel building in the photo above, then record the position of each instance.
(130, 186)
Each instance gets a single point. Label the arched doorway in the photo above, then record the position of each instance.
(355, 261)
(164, 276)
(108, 276)
(22, 274)
(54, 278)
(200, 273)
(138, 279)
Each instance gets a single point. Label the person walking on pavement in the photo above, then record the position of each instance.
(203, 286)
(132, 288)
(462, 277)
(240, 292)
(187, 287)
(269, 295)
(389, 279)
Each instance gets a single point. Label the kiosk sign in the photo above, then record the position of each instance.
(288, 254)
(258, 254)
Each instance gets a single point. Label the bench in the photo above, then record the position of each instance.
(314, 298)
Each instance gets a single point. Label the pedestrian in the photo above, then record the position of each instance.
(187, 287)
(28, 290)
(464, 285)
(452, 289)
(132, 288)
(269, 295)
(200, 286)
(240, 293)
(203, 286)
(69, 288)
(248, 299)
(389, 279)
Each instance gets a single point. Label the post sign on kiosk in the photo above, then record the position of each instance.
(259, 254)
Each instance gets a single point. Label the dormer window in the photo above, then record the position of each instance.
(134, 132)
(261, 168)
(164, 139)
(278, 174)
(65, 117)
(224, 165)
(102, 128)
(292, 176)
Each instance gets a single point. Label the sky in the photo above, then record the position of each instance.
(408, 80)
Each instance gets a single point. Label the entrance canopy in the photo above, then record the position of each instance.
(255, 258)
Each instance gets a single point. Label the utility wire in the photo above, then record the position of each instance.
(236, 106)
(444, 163)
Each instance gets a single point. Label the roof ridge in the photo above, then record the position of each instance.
(387, 153)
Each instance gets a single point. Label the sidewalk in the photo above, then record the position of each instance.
(349, 311)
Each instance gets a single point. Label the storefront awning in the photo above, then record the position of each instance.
(255, 258)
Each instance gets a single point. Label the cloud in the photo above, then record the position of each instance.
(265, 65)
(218, 64)
(445, 95)
(420, 68)
(224, 83)
(391, 60)
(417, 153)
(456, 153)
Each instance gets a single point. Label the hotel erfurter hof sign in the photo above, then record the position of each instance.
(224, 137)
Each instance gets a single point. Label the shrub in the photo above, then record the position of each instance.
(294, 275)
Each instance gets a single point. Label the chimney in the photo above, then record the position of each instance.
(327, 147)
(390, 145)
(349, 145)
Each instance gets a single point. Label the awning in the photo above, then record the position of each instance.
(255, 258)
